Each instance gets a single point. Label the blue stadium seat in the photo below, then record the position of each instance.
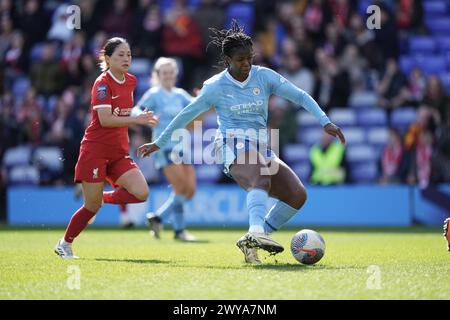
(438, 26)
(23, 175)
(360, 153)
(434, 8)
(378, 136)
(306, 119)
(363, 99)
(421, 44)
(443, 44)
(433, 64)
(401, 118)
(309, 136)
(445, 78)
(343, 117)
(364, 172)
(20, 86)
(17, 156)
(141, 67)
(295, 152)
(354, 135)
(48, 157)
(371, 117)
(244, 15)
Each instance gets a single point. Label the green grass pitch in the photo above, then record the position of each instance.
(117, 264)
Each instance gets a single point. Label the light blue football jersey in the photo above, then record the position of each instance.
(164, 104)
(241, 106)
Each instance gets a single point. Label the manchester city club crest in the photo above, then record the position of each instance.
(256, 91)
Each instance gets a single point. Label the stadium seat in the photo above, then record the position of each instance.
(433, 64)
(363, 99)
(309, 136)
(141, 67)
(23, 175)
(17, 156)
(438, 26)
(360, 153)
(407, 63)
(20, 86)
(36, 51)
(342, 117)
(421, 44)
(443, 44)
(378, 136)
(371, 117)
(401, 118)
(306, 119)
(295, 152)
(354, 135)
(364, 172)
(445, 78)
(48, 157)
(434, 8)
(244, 15)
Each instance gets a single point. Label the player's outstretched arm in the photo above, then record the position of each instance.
(147, 149)
(109, 120)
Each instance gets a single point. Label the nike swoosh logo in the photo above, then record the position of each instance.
(313, 253)
(115, 97)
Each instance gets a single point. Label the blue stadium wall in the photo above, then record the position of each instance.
(224, 206)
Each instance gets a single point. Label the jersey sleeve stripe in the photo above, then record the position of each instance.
(101, 106)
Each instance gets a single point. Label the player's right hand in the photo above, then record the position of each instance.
(147, 117)
(147, 149)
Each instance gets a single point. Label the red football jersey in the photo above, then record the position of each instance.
(109, 92)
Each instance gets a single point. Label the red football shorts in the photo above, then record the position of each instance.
(92, 168)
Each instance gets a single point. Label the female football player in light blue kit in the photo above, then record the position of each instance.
(240, 96)
(166, 101)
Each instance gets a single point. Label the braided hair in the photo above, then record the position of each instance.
(228, 41)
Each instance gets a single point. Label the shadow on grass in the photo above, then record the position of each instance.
(151, 261)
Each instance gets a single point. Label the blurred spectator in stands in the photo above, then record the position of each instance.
(335, 42)
(328, 164)
(47, 75)
(418, 143)
(89, 17)
(147, 34)
(117, 20)
(294, 71)
(314, 18)
(415, 89)
(440, 172)
(66, 132)
(73, 48)
(16, 59)
(59, 30)
(436, 98)
(355, 65)
(333, 86)
(30, 118)
(97, 42)
(391, 157)
(306, 43)
(182, 38)
(10, 131)
(88, 69)
(410, 15)
(6, 34)
(364, 38)
(341, 11)
(386, 37)
(34, 22)
(7, 9)
(391, 87)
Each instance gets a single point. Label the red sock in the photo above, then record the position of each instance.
(78, 222)
(123, 208)
(120, 196)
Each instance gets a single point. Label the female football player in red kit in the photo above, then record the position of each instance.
(104, 148)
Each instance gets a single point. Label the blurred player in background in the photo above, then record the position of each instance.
(240, 96)
(166, 101)
(104, 148)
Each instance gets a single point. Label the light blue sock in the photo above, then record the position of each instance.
(278, 215)
(178, 213)
(256, 205)
(165, 211)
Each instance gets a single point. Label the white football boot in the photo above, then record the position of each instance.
(250, 254)
(64, 250)
(261, 241)
(185, 236)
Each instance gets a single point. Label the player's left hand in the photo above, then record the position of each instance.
(335, 131)
(147, 149)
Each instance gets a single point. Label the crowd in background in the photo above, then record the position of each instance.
(322, 46)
